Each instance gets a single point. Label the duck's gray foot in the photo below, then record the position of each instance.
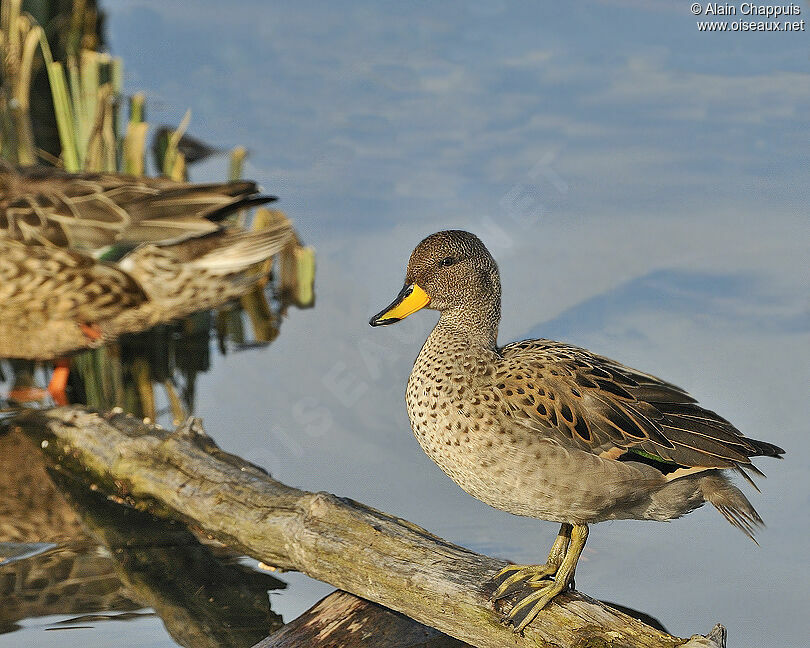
(544, 581)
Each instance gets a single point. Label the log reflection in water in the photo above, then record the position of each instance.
(205, 597)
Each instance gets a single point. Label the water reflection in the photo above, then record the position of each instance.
(68, 580)
(118, 560)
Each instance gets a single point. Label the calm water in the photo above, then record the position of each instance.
(644, 189)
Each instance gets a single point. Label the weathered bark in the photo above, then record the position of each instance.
(345, 620)
(342, 619)
(374, 555)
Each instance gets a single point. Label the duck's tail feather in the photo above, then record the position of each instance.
(765, 449)
(732, 504)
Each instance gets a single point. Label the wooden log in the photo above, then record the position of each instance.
(345, 620)
(374, 555)
(342, 619)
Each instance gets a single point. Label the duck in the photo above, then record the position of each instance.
(549, 430)
(92, 212)
(55, 301)
(87, 257)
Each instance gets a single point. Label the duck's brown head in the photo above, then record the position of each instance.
(448, 271)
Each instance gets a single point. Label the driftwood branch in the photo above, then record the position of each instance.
(374, 555)
(342, 619)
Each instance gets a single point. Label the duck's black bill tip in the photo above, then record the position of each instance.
(382, 321)
(409, 300)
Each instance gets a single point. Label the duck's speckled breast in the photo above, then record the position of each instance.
(464, 426)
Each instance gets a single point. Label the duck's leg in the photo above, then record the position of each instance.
(61, 366)
(530, 605)
(59, 379)
(513, 577)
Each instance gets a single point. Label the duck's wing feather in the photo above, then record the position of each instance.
(594, 403)
(93, 210)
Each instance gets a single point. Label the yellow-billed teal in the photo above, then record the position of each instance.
(550, 430)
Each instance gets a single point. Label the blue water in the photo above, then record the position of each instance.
(643, 187)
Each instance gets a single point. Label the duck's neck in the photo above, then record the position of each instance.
(476, 327)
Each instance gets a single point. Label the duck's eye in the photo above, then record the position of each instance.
(447, 261)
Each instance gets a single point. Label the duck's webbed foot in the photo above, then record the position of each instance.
(544, 581)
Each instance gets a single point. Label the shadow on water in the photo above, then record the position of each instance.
(119, 560)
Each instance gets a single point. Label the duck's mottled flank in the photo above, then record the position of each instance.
(56, 296)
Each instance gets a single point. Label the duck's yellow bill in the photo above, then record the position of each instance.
(410, 299)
